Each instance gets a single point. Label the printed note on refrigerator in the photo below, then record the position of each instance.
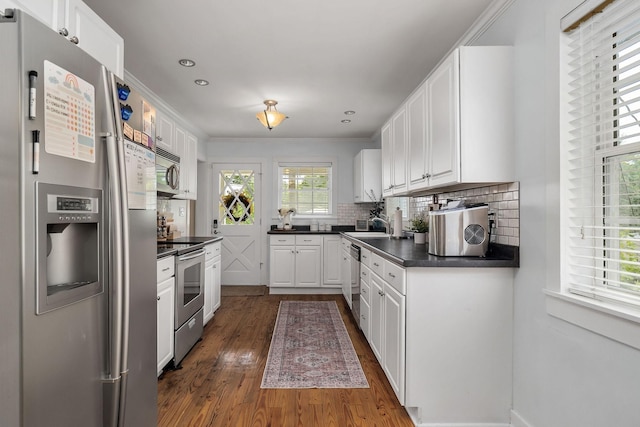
(69, 114)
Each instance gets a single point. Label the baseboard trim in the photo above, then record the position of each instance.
(304, 291)
(518, 421)
(463, 425)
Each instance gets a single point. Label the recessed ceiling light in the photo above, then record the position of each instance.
(187, 62)
(201, 82)
(349, 112)
(345, 121)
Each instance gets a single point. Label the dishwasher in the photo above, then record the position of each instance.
(355, 282)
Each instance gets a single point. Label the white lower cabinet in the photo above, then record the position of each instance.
(365, 293)
(387, 325)
(331, 261)
(345, 270)
(212, 276)
(165, 312)
(295, 261)
(459, 343)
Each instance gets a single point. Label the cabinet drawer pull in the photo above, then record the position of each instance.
(381, 293)
(376, 264)
(364, 256)
(392, 276)
(166, 269)
(307, 240)
(282, 240)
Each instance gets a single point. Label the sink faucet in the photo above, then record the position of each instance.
(387, 225)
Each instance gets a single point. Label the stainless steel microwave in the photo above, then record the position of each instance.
(167, 173)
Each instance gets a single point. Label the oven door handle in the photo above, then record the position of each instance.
(191, 255)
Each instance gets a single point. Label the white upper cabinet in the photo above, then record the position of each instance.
(443, 136)
(165, 137)
(394, 154)
(186, 146)
(366, 176)
(417, 149)
(80, 25)
(459, 125)
(387, 166)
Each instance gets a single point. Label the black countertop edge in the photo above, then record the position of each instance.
(183, 245)
(407, 254)
(306, 229)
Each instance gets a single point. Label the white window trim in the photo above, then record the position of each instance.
(308, 160)
(615, 322)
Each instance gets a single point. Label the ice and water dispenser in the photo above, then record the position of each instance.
(69, 245)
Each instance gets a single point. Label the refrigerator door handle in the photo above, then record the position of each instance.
(115, 381)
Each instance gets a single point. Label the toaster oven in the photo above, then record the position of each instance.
(460, 231)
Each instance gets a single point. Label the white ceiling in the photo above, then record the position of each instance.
(316, 58)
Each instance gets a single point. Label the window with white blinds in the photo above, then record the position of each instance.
(603, 176)
(307, 187)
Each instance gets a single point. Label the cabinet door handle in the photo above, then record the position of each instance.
(63, 32)
(381, 293)
(376, 264)
(158, 138)
(392, 276)
(364, 256)
(74, 39)
(293, 252)
(166, 269)
(158, 297)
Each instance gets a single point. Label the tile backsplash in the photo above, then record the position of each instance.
(503, 201)
(349, 212)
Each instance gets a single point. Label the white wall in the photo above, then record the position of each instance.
(564, 376)
(266, 150)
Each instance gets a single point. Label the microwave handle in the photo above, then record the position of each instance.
(172, 177)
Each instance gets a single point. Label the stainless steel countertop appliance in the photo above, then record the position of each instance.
(459, 231)
(78, 297)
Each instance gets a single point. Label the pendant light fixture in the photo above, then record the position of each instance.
(270, 117)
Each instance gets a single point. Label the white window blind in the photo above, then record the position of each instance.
(306, 187)
(603, 176)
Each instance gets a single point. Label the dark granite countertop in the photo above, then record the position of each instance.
(406, 253)
(182, 245)
(305, 229)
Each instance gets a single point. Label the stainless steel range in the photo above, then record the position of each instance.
(189, 300)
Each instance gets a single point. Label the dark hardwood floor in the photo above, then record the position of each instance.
(219, 383)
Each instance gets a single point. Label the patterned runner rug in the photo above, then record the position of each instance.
(311, 348)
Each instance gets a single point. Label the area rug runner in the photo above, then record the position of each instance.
(311, 348)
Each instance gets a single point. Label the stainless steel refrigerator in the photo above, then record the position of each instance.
(78, 239)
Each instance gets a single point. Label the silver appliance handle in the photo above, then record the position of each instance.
(173, 177)
(116, 380)
(112, 378)
(124, 213)
(191, 255)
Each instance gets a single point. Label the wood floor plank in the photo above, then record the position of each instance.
(219, 383)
